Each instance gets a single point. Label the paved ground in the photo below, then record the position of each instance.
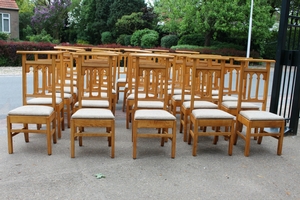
(30, 173)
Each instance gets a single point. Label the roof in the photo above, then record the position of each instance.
(9, 4)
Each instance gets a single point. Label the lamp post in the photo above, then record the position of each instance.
(250, 30)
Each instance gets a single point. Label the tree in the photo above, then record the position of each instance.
(209, 17)
(51, 17)
(26, 8)
(128, 24)
(123, 7)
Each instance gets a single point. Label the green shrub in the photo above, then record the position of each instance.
(149, 40)
(136, 37)
(121, 39)
(169, 41)
(187, 47)
(4, 36)
(106, 37)
(192, 39)
(80, 41)
(222, 45)
(42, 37)
(127, 40)
(124, 40)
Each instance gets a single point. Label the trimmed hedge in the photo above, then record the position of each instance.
(149, 40)
(8, 51)
(168, 41)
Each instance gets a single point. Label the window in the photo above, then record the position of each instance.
(4, 22)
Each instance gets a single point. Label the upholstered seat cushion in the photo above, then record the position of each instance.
(153, 114)
(93, 103)
(177, 97)
(211, 114)
(244, 105)
(177, 91)
(140, 95)
(93, 113)
(43, 101)
(226, 98)
(200, 105)
(103, 94)
(150, 104)
(32, 111)
(260, 115)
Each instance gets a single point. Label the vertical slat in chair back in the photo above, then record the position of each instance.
(96, 82)
(254, 82)
(37, 77)
(207, 78)
(152, 75)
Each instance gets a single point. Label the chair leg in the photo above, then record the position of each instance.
(26, 134)
(134, 139)
(54, 131)
(112, 142)
(9, 136)
(185, 127)
(49, 136)
(72, 135)
(173, 151)
(247, 141)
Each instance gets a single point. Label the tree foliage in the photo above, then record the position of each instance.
(51, 17)
(210, 17)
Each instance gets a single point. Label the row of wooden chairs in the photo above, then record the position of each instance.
(200, 76)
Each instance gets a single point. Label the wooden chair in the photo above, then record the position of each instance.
(254, 82)
(100, 73)
(41, 91)
(36, 70)
(203, 79)
(230, 103)
(207, 102)
(186, 65)
(130, 71)
(146, 60)
(93, 84)
(152, 80)
(122, 74)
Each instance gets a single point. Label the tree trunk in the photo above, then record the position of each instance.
(208, 37)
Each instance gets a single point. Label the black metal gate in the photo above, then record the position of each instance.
(285, 97)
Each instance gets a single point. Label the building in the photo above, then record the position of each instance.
(9, 18)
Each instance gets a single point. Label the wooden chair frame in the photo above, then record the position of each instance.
(256, 122)
(94, 117)
(155, 80)
(34, 114)
(203, 79)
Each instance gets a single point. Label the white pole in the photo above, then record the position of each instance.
(250, 30)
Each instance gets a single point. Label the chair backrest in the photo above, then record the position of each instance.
(254, 82)
(95, 71)
(206, 78)
(39, 71)
(151, 78)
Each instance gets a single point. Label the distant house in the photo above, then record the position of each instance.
(9, 18)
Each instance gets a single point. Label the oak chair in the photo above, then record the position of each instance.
(41, 91)
(99, 88)
(203, 79)
(152, 82)
(254, 82)
(204, 102)
(35, 71)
